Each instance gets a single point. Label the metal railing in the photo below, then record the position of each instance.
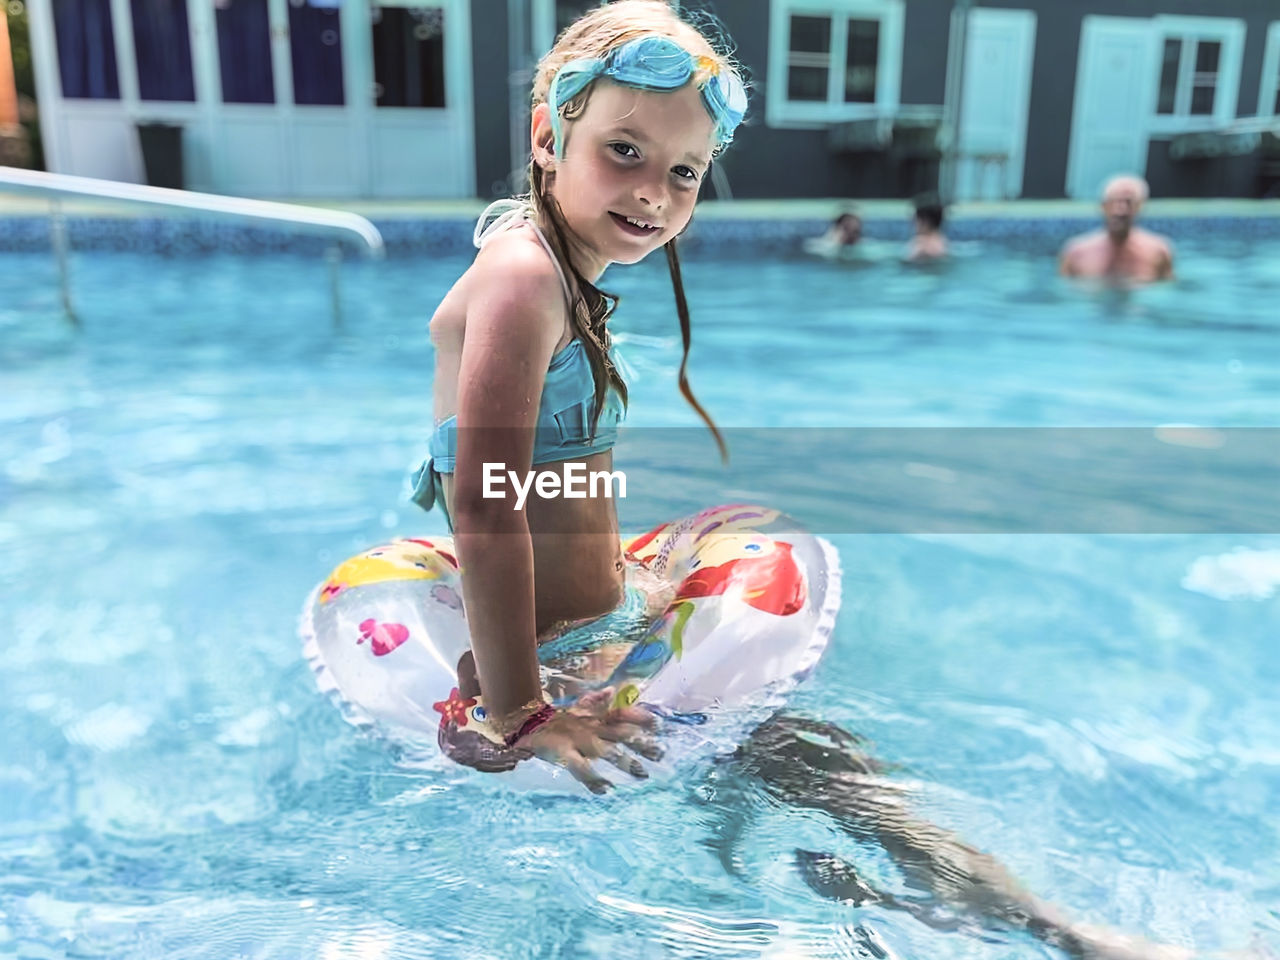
(330, 223)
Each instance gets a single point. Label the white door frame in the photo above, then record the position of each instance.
(1021, 23)
(1269, 82)
(1077, 168)
(450, 128)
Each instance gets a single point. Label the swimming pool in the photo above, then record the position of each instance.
(1094, 709)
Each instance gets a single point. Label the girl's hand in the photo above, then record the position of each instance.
(589, 731)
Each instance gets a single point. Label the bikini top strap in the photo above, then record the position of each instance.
(510, 212)
(564, 281)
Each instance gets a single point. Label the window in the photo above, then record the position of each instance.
(162, 46)
(315, 44)
(1189, 93)
(1269, 90)
(408, 56)
(86, 49)
(1199, 72)
(809, 59)
(244, 51)
(834, 60)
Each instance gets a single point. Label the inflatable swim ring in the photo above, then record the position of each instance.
(754, 603)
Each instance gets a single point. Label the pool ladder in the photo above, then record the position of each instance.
(335, 224)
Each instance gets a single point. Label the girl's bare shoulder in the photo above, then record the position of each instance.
(511, 280)
(515, 262)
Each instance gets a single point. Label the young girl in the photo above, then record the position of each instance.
(629, 108)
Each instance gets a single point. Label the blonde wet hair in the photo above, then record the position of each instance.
(593, 35)
(1127, 180)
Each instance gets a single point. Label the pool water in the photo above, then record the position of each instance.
(1098, 711)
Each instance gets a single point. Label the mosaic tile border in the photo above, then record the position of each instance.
(452, 236)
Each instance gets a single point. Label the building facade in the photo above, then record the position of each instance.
(1029, 98)
(857, 98)
(318, 98)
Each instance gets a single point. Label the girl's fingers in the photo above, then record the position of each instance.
(585, 738)
(581, 768)
(614, 732)
(636, 739)
(634, 736)
(597, 702)
(624, 761)
(636, 715)
(646, 747)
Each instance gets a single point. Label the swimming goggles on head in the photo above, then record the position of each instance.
(653, 63)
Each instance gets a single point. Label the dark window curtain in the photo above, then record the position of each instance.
(315, 40)
(862, 58)
(86, 49)
(408, 56)
(809, 67)
(244, 51)
(1169, 76)
(1204, 84)
(162, 44)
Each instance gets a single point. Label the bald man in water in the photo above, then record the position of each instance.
(1121, 250)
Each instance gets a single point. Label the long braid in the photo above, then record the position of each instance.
(686, 336)
(591, 306)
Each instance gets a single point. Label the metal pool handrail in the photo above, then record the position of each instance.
(331, 223)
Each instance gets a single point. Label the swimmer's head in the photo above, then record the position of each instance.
(929, 214)
(630, 106)
(1122, 198)
(849, 226)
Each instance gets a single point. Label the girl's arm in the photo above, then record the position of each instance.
(514, 321)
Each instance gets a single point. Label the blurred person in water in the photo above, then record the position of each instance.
(1121, 250)
(844, 233)
(929, 243)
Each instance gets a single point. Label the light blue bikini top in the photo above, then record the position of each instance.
(566, 410)
(565, 415)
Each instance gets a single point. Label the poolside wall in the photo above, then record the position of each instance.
(733, 233)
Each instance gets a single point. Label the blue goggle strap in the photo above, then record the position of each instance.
(648, 63)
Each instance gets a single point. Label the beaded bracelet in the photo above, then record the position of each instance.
(531, 723)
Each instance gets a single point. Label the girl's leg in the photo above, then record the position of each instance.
(820, 766)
